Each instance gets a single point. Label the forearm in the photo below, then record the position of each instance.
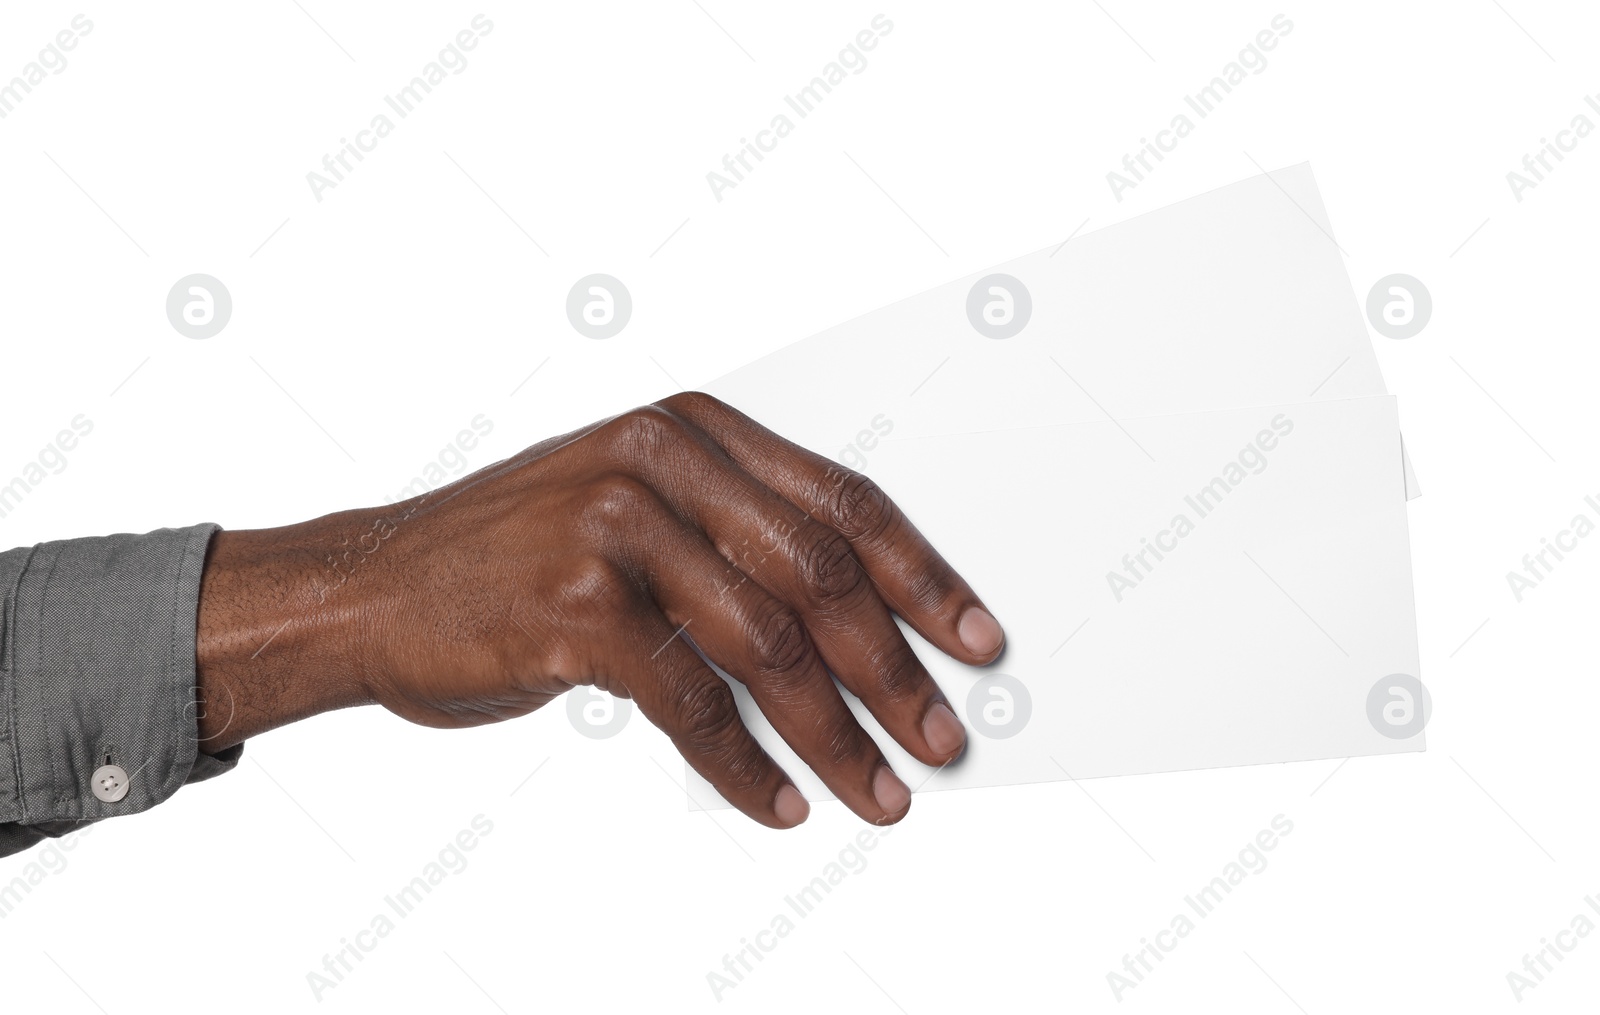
(279, 636)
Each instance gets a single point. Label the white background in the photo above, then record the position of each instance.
(412, 298)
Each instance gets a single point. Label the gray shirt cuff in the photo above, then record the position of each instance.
(97, 675)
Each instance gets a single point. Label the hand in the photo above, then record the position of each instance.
(597, 558)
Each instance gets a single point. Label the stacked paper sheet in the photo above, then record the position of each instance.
(1191, 511)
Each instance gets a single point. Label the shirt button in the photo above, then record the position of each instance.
(110, 783)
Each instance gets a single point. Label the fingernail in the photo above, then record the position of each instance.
(892, 794)
(980, 633)
(790, 807)
(942, 730)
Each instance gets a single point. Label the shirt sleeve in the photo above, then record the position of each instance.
(97, 680)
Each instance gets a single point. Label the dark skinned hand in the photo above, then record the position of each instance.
(595, 558)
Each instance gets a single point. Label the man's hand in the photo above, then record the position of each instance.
(597, 558)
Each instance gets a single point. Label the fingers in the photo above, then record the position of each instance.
(763, 642)
(810, 570)
(910, 576)
(687, 701)
(819, 558)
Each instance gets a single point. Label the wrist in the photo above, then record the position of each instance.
(277, 637)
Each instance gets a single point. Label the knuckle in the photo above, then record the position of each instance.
(744, 766)
(708, 714)
(930, 589)
(617, 500)
(639, 434)
(846, 745)
(828, 567)
(712, 734)
(900, 676)
(691, 402)
(779, 645)
(646, 431)
(861, 510)
(590, 578)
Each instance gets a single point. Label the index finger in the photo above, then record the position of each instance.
(910, 575)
